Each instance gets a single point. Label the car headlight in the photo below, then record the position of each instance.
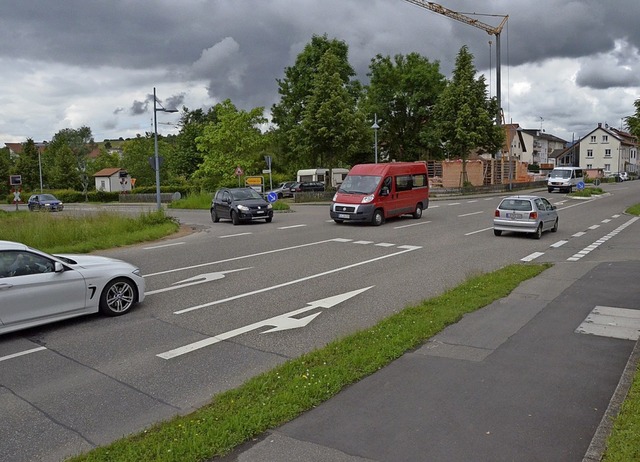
(137, 272)
(244, 208)
(269, 206)
(367, 199)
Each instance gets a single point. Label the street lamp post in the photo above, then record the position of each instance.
(155, 143)
(375, 127)
(40, 168)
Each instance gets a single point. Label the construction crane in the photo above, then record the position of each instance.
(491, 30)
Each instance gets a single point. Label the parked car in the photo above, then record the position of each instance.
(38, 288)
(47, 202)
(283, 189)
(624, 176)
(305, 186)
(525, 214)
(240, 205)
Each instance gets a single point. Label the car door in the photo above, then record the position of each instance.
(544, 210)
(223, 204)
(29, 294)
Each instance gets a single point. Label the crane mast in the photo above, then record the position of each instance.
(491, 30)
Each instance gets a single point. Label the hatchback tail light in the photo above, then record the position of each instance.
(497, 213)
(533, 216)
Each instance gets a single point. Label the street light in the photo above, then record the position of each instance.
(375, 127)
(155, 143)
(40, 168)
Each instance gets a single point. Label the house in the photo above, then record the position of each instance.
(538, 146)
(112, 180)
(610, 150)
(15, 149)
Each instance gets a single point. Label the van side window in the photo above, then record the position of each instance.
(387, 183)
(419, 180)
(404, 183)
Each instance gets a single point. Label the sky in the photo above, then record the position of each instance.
(567, 65)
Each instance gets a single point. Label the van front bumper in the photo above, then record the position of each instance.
(351, 212)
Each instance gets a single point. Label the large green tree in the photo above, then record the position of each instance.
(402, 92)
(184, 158)
(5, 171)
(296, 88)
(138, 159)
(632, 122)
(332, 129)
(235, 140)
(27, 166)
(464, 114)
(79, 143)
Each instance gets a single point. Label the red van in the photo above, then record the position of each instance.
(371, 193)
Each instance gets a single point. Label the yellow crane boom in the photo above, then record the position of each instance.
(491, 30)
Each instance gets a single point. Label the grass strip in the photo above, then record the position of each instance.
(623, 444)
(278, 396)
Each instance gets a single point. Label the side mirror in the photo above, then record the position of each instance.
(57, 267)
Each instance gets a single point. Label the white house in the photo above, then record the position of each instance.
(610, 150)
(112, 180)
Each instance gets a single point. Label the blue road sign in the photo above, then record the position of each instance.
(580, 185)
(272, 197)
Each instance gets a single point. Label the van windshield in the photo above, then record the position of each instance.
(561, 174)
(360, 184)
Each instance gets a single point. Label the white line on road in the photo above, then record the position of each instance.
(22, 353)
(233, 235)
(478, 231)
(412, 224)
(469, 214)
(292, 226)
(559, 244)
(578, 234)
(406, 248)
(532, 256)
(161, 246)
(601, 241)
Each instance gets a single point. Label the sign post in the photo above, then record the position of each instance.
(16, 182)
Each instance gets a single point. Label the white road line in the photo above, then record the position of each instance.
(454, 203)
(233, 235)
(479, 231)
(296, 281)
(292, 226)
(164, 245)
(22, 353)
(227, 260)
(412, 224)
(593, 227)
(602, 240)
(363, 242)
(578, 234)
(469, 214)
(532, 256)
(606, 220)
(471, 202)
(558, 244)
(385, 244)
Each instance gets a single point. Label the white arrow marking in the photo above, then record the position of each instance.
(282, 322)
(199, 279)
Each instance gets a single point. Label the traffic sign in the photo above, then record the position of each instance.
(580, 185)
(15, 180)
(253, 180)
(239, 171)
(272, 197)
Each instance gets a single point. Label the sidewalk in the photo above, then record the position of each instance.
(519, 380)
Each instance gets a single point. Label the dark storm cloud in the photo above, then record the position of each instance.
(139, 107)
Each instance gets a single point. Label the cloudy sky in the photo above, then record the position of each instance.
(566, 64)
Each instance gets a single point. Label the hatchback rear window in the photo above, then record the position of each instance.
(515, 204)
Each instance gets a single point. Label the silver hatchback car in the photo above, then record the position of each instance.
(525, 214)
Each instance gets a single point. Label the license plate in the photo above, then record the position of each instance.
(514, 216)
(343, 215)
(259, 212)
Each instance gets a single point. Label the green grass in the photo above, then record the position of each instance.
(63, 233)
(587, 192)
(278, 396)
(634, 209)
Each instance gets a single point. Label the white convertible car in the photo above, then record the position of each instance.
(38, 288)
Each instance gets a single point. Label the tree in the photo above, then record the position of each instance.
(80, 143)
(104, 160)
(632, 122)
(235, 140)
(465, 115)
(136, 155)
(27, 166)
(402, 92)
(184, 157)
(5, 171)
(297, 86)
(331, 129)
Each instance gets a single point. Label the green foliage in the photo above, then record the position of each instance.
(5, 171)
(27, 166)
(67, 159)
(633, 121)
(135, 159)
(184, 157)
(402, 92)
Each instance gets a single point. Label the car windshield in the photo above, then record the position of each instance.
(523, 205)
(244, 194)
(360, 184)
(561, 174)
(47, 197)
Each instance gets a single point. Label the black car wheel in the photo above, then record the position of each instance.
(418, 212)
(214, 216)
(555, 226)
(118, 297)
(538, 233)
(378, 218)
(497, 232)
(235, 218)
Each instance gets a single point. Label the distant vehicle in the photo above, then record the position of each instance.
(37, 288)
(47, 202)
(564, 179)
(240, 205)
(371, 193)
(283, 189)
(624, 176)
(525, 214)
(307, 186)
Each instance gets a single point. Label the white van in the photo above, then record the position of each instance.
(564, 179)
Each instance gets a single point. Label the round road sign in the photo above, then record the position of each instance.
(272, 197)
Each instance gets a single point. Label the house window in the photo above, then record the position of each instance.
(593, 138)
(633, 153)
(589, 165)
(605, 138)
(607, 167)
(607, 152)
(589, 152)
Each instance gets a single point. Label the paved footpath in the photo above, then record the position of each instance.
(531, 377)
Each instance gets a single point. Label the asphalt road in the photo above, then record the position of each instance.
(226, 302)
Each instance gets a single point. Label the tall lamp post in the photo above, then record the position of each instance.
(155, 143)
(375, 127)
(40, 169)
